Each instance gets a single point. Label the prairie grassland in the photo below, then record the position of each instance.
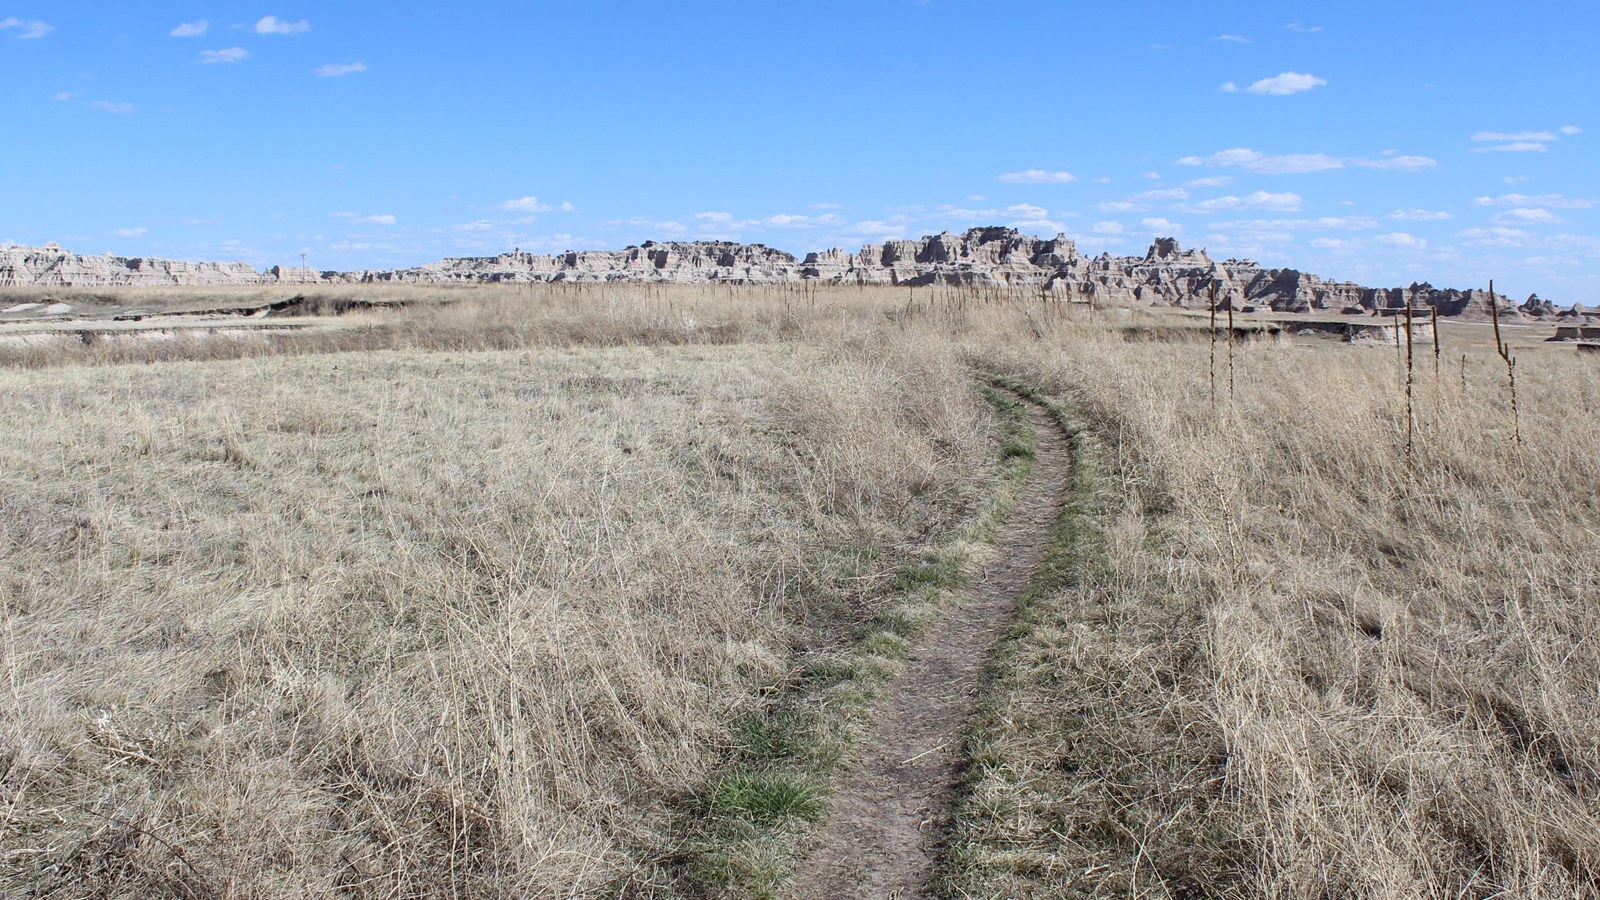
(475, 597)
(1280, 662)
(433, 624)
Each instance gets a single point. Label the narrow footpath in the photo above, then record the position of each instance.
(888, 820)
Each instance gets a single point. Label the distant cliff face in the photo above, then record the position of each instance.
(1167, 275)
(51, 265)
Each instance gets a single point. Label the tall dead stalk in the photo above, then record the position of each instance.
(1511, 365)
(1410, 406)
(1230, 351)
(1213, 345)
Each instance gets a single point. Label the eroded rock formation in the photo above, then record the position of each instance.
(1167, 275)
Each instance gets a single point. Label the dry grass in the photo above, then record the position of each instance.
(483, 608)
(405, 624)
(1292, 666)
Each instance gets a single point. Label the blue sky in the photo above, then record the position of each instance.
(1384, 143)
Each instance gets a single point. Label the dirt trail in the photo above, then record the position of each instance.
(886, 823)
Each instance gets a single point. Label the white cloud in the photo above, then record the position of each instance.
(1287, 83)
(334, 70)
(129, 232)
(1518, 147)
(1495, 237)
(1571, 129)
(1160, 196)
(1398, 163)
(877, 228)
(1325, 223)
(374, 220)
(120, 109)
(1554, 201)
(1112, 206)
(1153, 176)
(1303, 29)
(841, 205)
(649, 225)
(1402, 240)
(66, 95)
(790, 220)
(1295, 164)
(714, 216)
(190, 29)
(1284, 202)
(1515, 179)
(527, 204)
(275, 25)
(1210, 181)
(30, 30)
(1233, 38)
(1164, 227)
(1109, 228)
(1419, 215)
(225, 55)
(1037, 176)
(1301, 163)
(1500, 136)
(1528, 216)
(1229, 87)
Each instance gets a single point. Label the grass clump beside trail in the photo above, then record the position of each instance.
(1078, 782)
(437, 624)
(1289, 665)
(758, 817)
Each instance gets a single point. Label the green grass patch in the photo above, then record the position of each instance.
(767, 798)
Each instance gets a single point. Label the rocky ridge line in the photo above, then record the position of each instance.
(1166, 275)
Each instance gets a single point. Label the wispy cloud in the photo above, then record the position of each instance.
(190, 29)
(66, 95)
(1286, 83)
(1401, 240)
(1037, 176)
(1553, 201)
(1419, 215)
(532, 205)
(1485, 136)
(1303, 29)
(27, 30)
(1571, 129)
(360, 219)
(120, 109)
(129, 232)
(1262, 200)
(1528, 216)
(1515, 147)
(1397, 163)
(275, 25)
(1233, 38)
(225, 55)
(1210, 181)
(1229, 87)
(1301, 163)
(335, 70)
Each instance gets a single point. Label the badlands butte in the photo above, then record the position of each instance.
(1166, 275)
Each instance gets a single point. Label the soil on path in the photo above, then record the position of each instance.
(887, 820)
